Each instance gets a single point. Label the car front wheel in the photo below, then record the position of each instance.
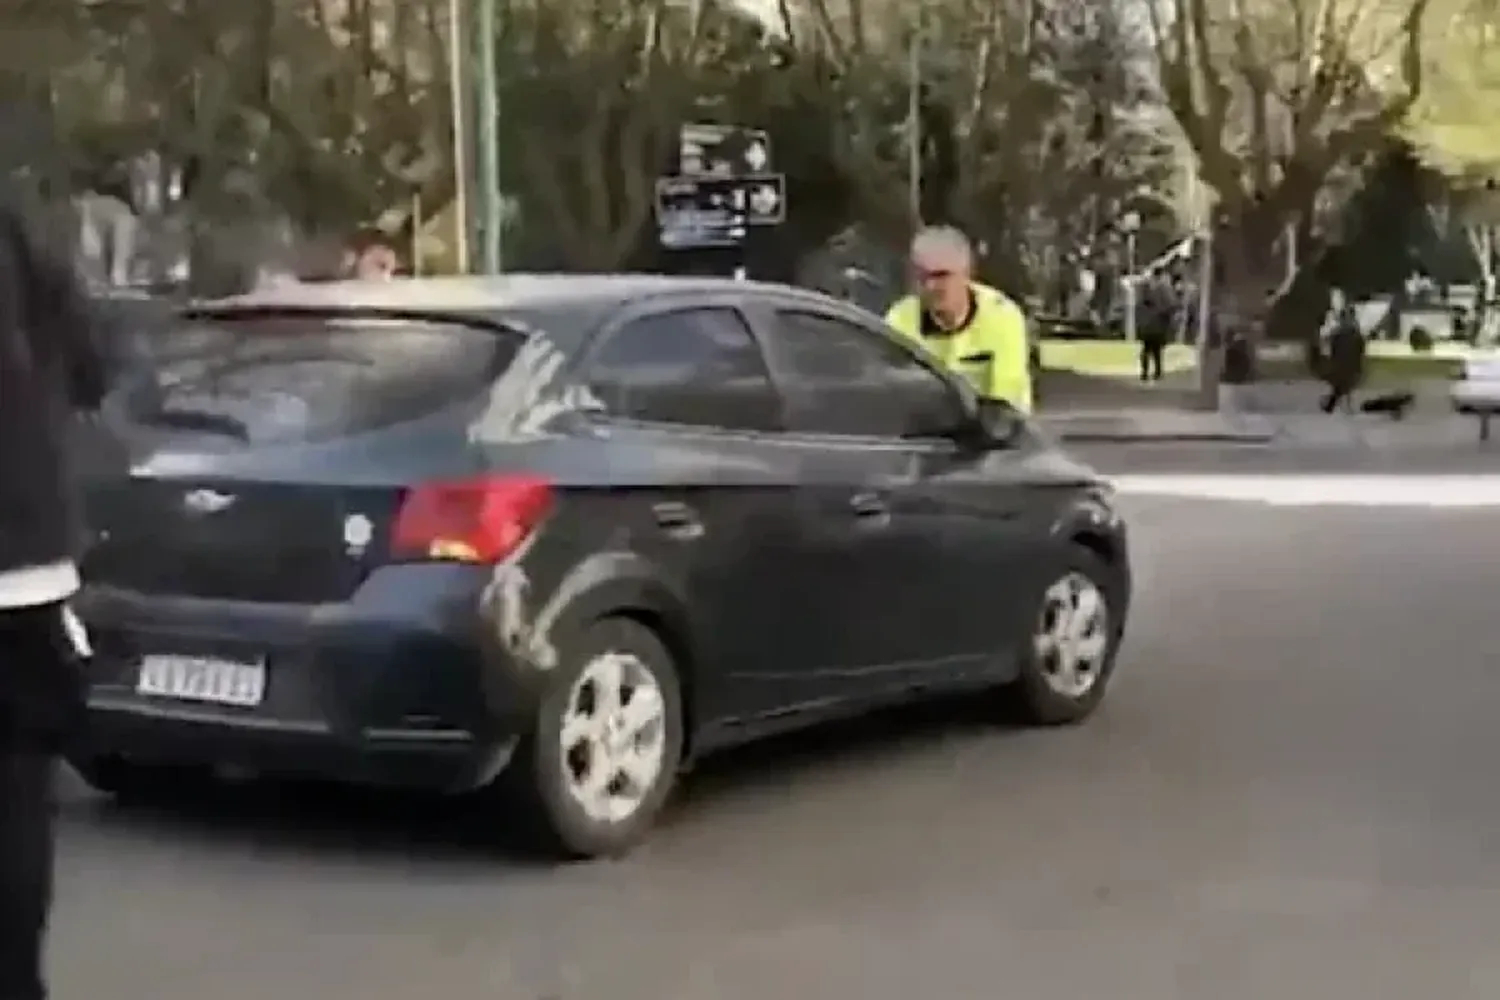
(1068, 657)
(607, 744)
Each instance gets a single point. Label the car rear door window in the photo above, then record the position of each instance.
(844, 379)
(698, 367)
(280, 380)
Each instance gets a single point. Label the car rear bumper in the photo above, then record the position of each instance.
(438, 759)
(389, 688)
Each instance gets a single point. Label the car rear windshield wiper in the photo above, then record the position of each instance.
(197, 420)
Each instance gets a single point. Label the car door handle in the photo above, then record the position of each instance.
(677, 519)
(869, 507)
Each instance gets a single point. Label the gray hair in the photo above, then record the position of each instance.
(944, 241)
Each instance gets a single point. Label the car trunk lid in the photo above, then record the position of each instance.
(217, 537)
(271, 465)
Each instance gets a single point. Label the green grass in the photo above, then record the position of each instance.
(1388, 362)
(1110, 358)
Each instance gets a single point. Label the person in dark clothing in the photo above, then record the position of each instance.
(49, 365)
(1156, 331)
(1344, 366)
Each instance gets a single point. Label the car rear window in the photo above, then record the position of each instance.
(264, 380)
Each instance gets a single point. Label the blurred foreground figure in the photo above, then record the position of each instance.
(49, 366)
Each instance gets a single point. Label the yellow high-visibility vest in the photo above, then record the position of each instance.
(992, 351)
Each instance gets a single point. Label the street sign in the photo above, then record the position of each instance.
(721, 188)
(722, 151)
(717, 211)
(695, 213)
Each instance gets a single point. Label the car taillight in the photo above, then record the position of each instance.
(472, 520)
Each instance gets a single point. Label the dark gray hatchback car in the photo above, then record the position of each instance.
(557, 536)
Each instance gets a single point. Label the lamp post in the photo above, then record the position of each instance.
(473, 84)
(487, 104)
(458, 111)
(914, 121)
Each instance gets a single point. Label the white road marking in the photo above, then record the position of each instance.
(1444, 491)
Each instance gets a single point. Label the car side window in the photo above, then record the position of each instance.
(697, 367)
(849, 380)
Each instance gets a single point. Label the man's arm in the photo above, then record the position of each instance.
(1010, 358)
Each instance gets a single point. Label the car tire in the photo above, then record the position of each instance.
(132, 781)
(1066, 662)
(556, 784)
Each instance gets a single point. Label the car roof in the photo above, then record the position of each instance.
(480, 294)
(567, 308)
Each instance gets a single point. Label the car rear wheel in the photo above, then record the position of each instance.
(1069, 655)
(605, 752)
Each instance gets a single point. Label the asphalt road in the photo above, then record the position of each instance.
(1290, 794)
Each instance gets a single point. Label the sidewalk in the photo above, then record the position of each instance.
(1419, 431)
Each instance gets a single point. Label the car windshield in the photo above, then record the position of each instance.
(284, 379)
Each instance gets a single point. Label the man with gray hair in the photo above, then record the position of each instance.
(976, 331)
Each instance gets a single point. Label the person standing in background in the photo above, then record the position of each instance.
(1154, 333)
(370, 257)
(50, 364)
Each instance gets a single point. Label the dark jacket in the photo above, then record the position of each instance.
(50, 366)
(1344, 368)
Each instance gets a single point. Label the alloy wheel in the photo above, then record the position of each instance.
(1071, 643)
(613, 737)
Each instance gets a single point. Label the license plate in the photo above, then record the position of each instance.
(201, 678)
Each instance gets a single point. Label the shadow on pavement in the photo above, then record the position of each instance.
(302, 819)
(345, 825)
(890, 739)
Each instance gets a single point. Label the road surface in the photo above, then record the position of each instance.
(1290, 794)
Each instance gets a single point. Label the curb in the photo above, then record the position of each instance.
(1181, 437)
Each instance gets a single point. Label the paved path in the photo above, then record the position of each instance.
(1291, 794)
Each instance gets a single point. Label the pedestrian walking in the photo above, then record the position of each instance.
(49, 363)
(1344, 366)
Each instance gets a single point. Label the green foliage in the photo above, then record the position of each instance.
(1388, 210)
(1453, 125)
(340, 111)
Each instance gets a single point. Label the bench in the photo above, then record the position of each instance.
(1483, 412)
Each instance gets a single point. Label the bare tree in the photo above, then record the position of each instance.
(1275, 98)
